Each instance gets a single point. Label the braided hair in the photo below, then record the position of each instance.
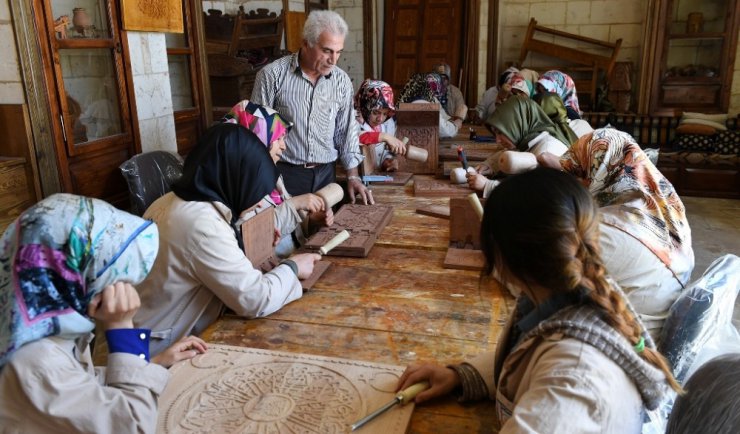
(542, 226)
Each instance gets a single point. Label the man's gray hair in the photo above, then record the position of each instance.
(319, 22)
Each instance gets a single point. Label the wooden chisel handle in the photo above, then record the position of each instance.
(337, 240)
(408, 394)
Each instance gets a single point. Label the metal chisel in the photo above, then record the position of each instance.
(403, 397)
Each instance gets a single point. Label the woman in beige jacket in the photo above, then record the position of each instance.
(201, 268)
(574, 356)
(70, 262)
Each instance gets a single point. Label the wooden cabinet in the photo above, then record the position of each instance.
(89, 94)
(695, 56)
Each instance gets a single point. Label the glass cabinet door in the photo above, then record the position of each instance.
(88, 68)
(185, 83)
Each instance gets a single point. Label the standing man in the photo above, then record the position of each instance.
(308, 89)
(454, 103)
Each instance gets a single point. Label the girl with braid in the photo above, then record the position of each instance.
(574, 356)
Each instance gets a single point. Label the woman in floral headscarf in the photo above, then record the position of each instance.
(645, 235)
(290, 212)
(561, 84)
(423, 88)
(517, 82)
(375, 109)
(69, 263)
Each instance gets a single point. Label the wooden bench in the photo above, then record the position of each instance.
(584, 59)
(692, 173)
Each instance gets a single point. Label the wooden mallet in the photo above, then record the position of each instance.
(337, 240)
(331, 194)
(415, 153)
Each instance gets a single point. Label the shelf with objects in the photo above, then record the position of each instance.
(695, 56)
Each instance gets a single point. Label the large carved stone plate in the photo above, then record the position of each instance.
(232, 390)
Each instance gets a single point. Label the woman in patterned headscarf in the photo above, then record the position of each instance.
(424, 88)
(69, 263)
(561, 84)
(290, 212)
(517, 82)
(374, 105)
(645, 234)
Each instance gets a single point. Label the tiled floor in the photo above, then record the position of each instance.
(715, 229)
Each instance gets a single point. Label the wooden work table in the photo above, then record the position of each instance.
(397, 306)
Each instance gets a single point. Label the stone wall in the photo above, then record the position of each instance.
(148, 54)
(11, 85)
(352, 60)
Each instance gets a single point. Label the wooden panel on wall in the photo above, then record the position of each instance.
(294, 22)
(99, 176)
(15, 193)
(17, 141)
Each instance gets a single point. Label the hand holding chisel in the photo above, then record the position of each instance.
(403, 397)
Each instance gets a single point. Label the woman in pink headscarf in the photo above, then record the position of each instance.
(375, 110)
(290, 212)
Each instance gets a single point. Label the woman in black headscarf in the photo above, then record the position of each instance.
(201, 265)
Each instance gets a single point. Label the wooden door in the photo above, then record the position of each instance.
(419, 34)
(89, 102)
(186, 80)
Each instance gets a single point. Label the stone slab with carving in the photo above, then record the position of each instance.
(257, 235)
(363, 222)
(246, 390)
(420, 123)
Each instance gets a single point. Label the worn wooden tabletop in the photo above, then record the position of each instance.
(398, 306)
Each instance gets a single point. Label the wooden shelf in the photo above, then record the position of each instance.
(701, 52)
(702, 35)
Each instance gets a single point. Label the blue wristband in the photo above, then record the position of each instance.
(130, 341)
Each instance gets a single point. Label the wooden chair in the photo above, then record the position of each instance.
(578, 53)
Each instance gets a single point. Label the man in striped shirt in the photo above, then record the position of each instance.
(308, 89)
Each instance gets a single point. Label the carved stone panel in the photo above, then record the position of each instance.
(420, 123)
(257, 234)
(439, 188)
(244, 390)
(364, 223)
